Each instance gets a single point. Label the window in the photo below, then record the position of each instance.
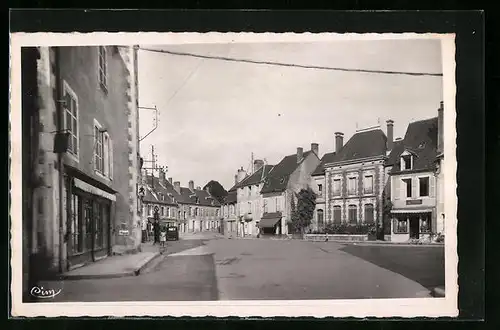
(368, 184)
(216, 213)
(337, 214)
(150, 210)
(401, 226)
(162, 210)
(277, 205)
(108, 156)
(353, 214)
(351, 188)
(320, 218)
(249, 205)
(179, 215)
(71, 118)
(408, 187)
(336, 187)
(249, 191)
(425, 224)
(423, 184)
(76, 225)
(196, 211)
(320, 189)
(184, 215)
(369, 216)
(406, 162)
(103, 68)
(168, 212)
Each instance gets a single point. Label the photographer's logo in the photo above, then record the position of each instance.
(40, 292)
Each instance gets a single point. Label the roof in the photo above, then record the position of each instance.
(421, 140)
(256, 177)
(204, 198)
(153, 193)
(327, 158)
(231, 197)
(271, 215)
(277, 179)
(363, 144)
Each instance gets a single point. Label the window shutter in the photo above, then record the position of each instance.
(432, 186)
(106, 155)
(415, 187)
(110, 158)
(397, 188)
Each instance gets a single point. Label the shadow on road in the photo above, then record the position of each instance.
(424, 265)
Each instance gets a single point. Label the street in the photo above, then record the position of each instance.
(247, 269)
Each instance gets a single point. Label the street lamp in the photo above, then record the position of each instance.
(141, 193)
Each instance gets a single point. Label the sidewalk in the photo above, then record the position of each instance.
(115, 266)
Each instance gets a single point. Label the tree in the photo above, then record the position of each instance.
(294, 215)
(306, 203)
(216, 190)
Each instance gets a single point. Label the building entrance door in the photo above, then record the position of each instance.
(414, 227)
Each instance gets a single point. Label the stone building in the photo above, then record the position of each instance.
(83, 155)
(415, 181)
(286, 178)
(355, 177)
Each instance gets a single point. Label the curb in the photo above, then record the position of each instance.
(438, 292)
(135, 272)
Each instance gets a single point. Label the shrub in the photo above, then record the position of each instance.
(348, 229)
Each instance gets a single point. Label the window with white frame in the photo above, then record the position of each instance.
(368, 184)
(336, 187)
(320, 189)
(351, 186)
(103, 68)
(71, 118)
(407, 183)
(406, 162)
(98, 149)
(423, 184)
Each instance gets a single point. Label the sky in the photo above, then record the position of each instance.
(213, 114)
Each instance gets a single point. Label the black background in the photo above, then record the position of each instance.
(470, 106)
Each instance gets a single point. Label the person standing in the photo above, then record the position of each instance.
(156, 231)
(163, 236)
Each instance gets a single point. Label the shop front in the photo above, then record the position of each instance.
(412, 224)
(89, 214)
(270, 224)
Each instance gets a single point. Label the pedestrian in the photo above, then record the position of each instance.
(163, 236)
(156, 230)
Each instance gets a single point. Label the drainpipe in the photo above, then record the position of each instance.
(60, 127)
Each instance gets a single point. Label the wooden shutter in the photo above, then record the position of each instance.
(106, 158)
(432, 186)
(397, 188)
(110, 158)
(415, 187)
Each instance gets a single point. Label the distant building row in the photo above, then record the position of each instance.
(372, 179)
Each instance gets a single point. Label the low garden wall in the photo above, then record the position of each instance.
(336, 237)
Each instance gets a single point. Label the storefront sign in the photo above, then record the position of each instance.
(414, 202)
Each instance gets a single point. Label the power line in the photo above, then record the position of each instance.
(231, 59)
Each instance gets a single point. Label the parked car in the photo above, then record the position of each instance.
(172, 233)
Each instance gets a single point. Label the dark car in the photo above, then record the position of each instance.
(172, 233)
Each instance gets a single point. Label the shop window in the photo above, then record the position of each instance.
(401, 226)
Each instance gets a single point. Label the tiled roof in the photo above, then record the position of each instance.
(231, 197)
(327, 158)
(256, 177)
(204, 198)
(421, 140)
(277, 179)
(170, 197)
(363, 144)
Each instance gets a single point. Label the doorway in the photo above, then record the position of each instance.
(414, 227)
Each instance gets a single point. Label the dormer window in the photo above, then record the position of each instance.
(406, 162)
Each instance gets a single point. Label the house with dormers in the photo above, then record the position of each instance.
(414, 165)
(250, 200)
(355, 177)
(285, 179)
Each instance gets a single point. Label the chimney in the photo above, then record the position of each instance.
(198, 188)
(191, 185)
(170, 180)
(162, 178)
(177, 186)
(390, 134)
(300, 154)
(257, 164)
(440, 145)
(241, 174)
(236, 179)
(315, 148)
(339, 141)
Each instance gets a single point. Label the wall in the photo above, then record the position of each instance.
(79, 69)
(398, 190)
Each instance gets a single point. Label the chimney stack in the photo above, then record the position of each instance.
(300, 154)
(191, 185)
(162, 178)
(241, 174)
(198, 188)
(236, 179)
(440, 145)
(390, 134)
(315, 148)
(257, 164)
(177, 186)
(170, 180)
(339, 141)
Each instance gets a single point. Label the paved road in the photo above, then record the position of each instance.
(262, 269)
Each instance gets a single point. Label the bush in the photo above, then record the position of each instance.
(347, 229)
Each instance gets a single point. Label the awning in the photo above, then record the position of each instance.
(93, 190)
(269, 222)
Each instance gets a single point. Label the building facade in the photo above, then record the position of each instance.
(250, 200)
(355, 178)
(285, 179)
(84, 164)
(415, 183)
(319, 185)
